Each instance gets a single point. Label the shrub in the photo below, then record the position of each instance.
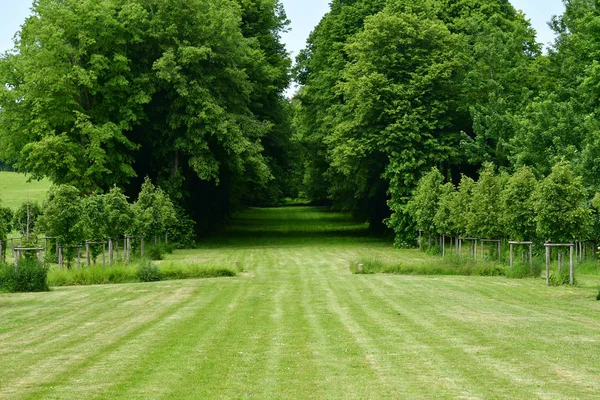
(148, 272)
(30, 276)
(155, 252)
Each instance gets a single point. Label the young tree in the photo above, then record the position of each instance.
(562, 213)
(462, 208)
(119, 215)
(442, 219)
(25, 218)
(422, 206)
(5, 226)
(485, 212)
(61, 217)
(154, 212)
(518, 211)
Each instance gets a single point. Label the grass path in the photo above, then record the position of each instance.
(296, 324)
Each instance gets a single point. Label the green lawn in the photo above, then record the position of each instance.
(15, 190)
(296, 324)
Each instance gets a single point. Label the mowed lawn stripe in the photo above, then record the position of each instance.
(296, 323)
(496, 339)
(93, 338)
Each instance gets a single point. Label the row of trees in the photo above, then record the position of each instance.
(72, 219)
(392, 88)
(98, 93)
(517, 207)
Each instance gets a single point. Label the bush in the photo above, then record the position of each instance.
(148, 272)
(155, 252)
(30, 276)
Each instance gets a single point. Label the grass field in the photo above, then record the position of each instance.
(15, 190)
(296, 324)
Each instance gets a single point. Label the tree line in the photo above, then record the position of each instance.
(518, 206)
(392, 88)
(69, 219)
(98, 93)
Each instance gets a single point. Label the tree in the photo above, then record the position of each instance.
(462, 210)
(422, 206)
(485, 211)
(25, 218)
(443, 219)
(119, 215)
(99, 93)
(154, 212)
(518, 211)
(62, 213)
(5, 223)
(562, 213)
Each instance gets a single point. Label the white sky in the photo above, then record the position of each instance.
(304, 15)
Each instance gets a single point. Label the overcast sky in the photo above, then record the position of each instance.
(303, 14)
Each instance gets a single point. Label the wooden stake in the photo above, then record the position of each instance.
(571, 267)
(511, 256)
(531, 258)
(547, 265)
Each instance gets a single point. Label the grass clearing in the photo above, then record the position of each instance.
(15, 190)
(296, 323)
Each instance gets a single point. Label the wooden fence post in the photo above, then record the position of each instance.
(60, 256)
(571, 267)
(87, 253)
(547, 264)
(511, 256)
(531, 258)
(78, 256)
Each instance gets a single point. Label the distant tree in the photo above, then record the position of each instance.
(62, 213)
(154, 212)
(25, 218)
(5, 221)
(443, 220)
(422, 206)
(562, 213)
(485, 212)
(462, 209)
(119, 214)
(518, 211)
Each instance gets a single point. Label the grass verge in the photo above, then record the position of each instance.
(131, 273)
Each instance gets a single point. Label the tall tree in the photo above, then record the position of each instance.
(98, 93)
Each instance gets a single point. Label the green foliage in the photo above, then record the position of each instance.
(560, 205)
(155, 252)
(25, 217)
(30, 276)
(148, 272)
(422, 207)
(119, 214)
(6, 216)
(485, 213)
(62, 213)
(461, 212)
(443, 219)
(153, 211)
(517, 205)
(97, 93)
